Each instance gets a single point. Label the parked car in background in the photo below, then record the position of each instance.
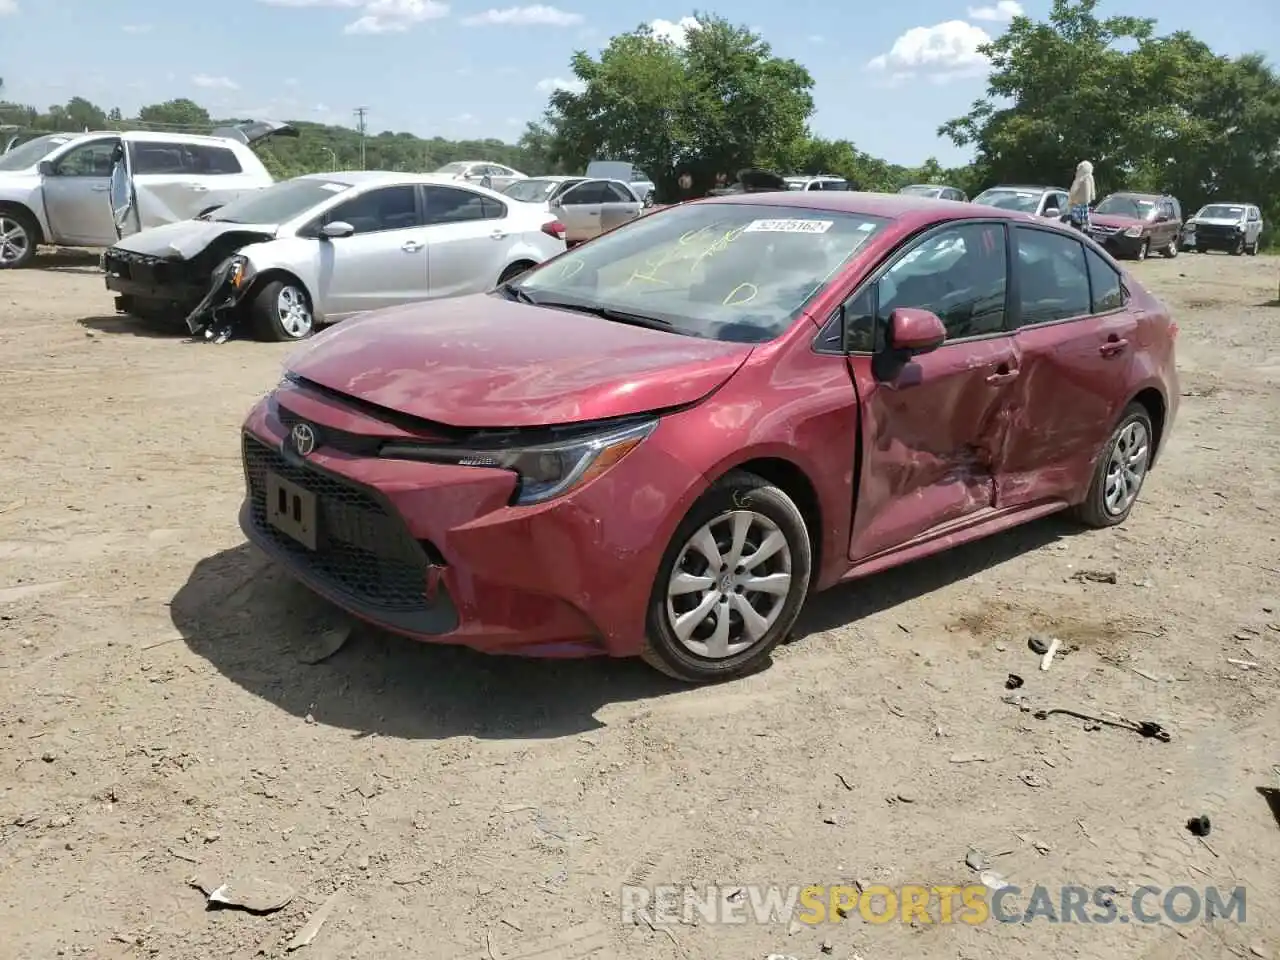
(322, 247)
(1038, 201)
(482, 173)
(937, 191)
(586, 206)
(640, 183)
(1232, 227)
(57, 188)
(822, 181)
(630, 451)
(1134, 225)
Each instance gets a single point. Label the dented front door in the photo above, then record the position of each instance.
(932, 438)
(124, 198)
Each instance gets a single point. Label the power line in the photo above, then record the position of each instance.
(360, 112)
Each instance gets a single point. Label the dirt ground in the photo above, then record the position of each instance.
(160, 722)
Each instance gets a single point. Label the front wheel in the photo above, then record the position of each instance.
(731, 583)
(281, 311)
(1143, 249)
(1171, 250)
(1253, 248)
(1238, 248)
(1121, 470)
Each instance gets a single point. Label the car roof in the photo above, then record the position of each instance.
(365, 178)
(892, 206)
(1023, 186)
(159, 136)
(1140, 196)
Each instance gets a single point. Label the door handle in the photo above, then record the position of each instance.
(198, 188)
(1113, 346)
(1003, 374)
(497, 235)
(411, 246)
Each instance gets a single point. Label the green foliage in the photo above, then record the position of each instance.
(1151, 112)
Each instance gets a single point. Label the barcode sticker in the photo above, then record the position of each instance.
(788, 226)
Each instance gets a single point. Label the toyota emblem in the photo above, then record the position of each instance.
(304, 439)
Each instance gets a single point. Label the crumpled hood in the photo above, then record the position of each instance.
(1215, 222)
(1115, 220)
(186, 238)
(483, 362)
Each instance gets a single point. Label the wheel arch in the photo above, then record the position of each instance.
(1153, 401)
(260, 280)
(525, 264)
(791, 479)
(13, 206)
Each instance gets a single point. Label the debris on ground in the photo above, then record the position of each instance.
(312, 927)
(975, 860)
(1199, 826)
(1146, 728)
(1049, 654)
(1040, 643)
(1032, 779)
(968, 758)
(1013, 682)
(993, 881)
(248, 893)
(1095, 576)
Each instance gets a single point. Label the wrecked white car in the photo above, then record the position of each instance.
(90, 189)
(325, 246)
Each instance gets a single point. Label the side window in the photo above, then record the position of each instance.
(1108, 295)
(617, 194)
(860, 321)
(213, 161)
(1254, 215)
(157, 159)
(387, 208)
(454, 205)
(1053, 279)
(958, 273)
(91, 159)
(593, 191)
(492, 209)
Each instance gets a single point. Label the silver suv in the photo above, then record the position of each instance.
(1233, 227)
(90, 189)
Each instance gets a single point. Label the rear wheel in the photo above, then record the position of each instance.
(1253, 247)
(18, 239)
(731, 583)
(1121, 470)
(1171, 250)
(281, 311)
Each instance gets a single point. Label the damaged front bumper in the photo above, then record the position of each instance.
(150, 285)
(215, 314)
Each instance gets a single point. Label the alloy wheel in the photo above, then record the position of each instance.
(294, 312)
(1127, 467)
(14, 241)
(729, 584)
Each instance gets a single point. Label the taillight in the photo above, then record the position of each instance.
(554, 228)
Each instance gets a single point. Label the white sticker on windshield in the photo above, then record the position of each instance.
(866, 227)
(333, 187)
(788, 226)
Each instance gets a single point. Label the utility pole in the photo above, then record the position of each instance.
(360, 126)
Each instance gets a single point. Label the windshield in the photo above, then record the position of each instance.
(1135, 208)
(531, 190)
(1025, 200)
(1221, 211)
(736, 272)
(922, 190)
(458, 167)
(31, 152)
(279, 202)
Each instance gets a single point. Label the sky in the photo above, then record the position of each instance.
(886, 74)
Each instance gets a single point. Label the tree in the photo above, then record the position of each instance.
(176, 113)
(716, 103)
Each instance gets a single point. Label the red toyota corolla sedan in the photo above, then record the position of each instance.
(661, 442)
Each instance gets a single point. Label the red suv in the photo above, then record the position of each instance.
(662, 441)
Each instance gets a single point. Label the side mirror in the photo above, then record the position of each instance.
(45, 168)
(1052, 212)
(336, 230)
(913, 332)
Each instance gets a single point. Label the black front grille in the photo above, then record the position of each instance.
(1215, 232)
(363, 551)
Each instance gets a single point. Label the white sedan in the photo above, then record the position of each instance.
(322, 247)
(587, 206)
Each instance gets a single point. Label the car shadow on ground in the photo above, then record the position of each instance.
(849, 602)
(260, 628)
(67, 261)
(134, 326)
(257, 626)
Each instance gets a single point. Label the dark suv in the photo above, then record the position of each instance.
(1134, 225)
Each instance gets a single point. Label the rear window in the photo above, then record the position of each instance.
(1028, 201)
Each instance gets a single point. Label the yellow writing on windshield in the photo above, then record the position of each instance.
(692, 247)
(740, 295)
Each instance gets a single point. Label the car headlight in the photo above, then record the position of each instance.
(239, 272)
(1239, 228)
(545, 471)
(1133, 232)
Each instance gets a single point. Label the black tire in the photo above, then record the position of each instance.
(515, 270)
(28, 229)
(1094, 512)
(1170, 251)
(267, 319)
(736, 491)
(1237, 248)
(1253, 248)
(1144, 249)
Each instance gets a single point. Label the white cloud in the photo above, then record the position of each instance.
(536, 15)
(1002, 12)
(559, 83)
(675, 33)
(214, 83)
(817, 38)
(9, 8)
(395, 16)
(947, 49)
(137, 28)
